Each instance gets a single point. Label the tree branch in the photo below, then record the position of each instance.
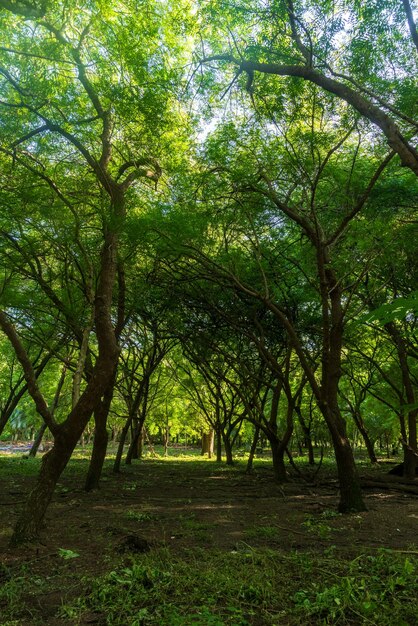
(30, 375)
(20, 7)
(347, 219)
(407, 153)
(411, 22)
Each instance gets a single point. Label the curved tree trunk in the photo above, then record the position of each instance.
(54, 462)
(133, 451)
(31, 518)
(119, 453)
(367, 441)
(254, 444)
(67, 434)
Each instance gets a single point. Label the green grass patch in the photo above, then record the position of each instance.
(379, 589)
(247, 586)
(262, 532)
(140, 516)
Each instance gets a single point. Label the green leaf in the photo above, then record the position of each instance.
(67, 554)
(396, 310)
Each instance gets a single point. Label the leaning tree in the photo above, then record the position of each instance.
(86, 118)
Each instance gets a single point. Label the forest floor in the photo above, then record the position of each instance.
(183, 541)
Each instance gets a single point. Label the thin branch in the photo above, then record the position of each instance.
(306, 52)
(347, 219)
(34, 55)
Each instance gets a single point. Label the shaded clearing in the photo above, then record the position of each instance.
(196, 519)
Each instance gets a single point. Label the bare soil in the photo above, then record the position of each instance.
(182, 504)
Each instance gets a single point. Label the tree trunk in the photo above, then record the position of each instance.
(311, 454)
(98, 454)
(207, 443)
(254, 444)
(306, 435)
(140, 446)
(409, 444)
(277, 453)
(31, 518)
(38, 439)
(101, 438)
(166, 440)
(69, 432)
(124, 432)
(228, 450)
(133, 447)
(368, 442)
(54, 462)
(81, 362)
(218, 446)
(351, 498)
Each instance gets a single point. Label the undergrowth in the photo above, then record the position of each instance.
(252, 586)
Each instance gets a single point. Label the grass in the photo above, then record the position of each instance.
(262, 532)
(374, 589)
(251, 586)
(139, 516)
(201, 584)
(317, 524)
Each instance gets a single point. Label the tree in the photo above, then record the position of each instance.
(71, 136)
(364, 55)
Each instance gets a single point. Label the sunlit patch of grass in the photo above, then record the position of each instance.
(16, 466)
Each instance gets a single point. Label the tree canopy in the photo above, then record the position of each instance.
(208, 219)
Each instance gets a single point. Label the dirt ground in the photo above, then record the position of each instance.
(181, 504)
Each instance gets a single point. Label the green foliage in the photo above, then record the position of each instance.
(66, 554)
(256, 252)
(137, 516)
(318, 526)
(380, 589)
(238, 587)
(195, 589)
(396, 310)
(262, 532)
